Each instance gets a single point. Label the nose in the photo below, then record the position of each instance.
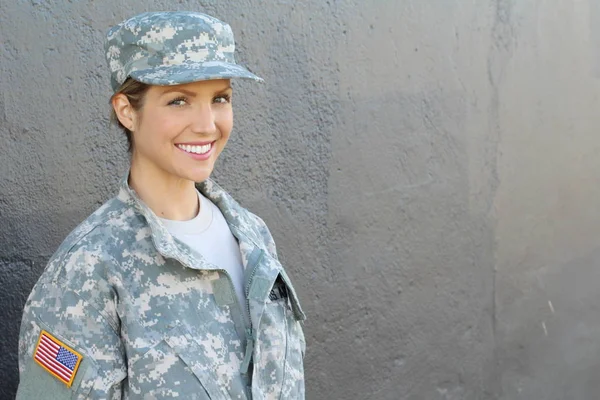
(203, 121)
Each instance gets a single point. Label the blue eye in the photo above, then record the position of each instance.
(179, 101)
(224, 99)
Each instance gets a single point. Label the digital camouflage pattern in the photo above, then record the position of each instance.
(171, 48)
(153, 320)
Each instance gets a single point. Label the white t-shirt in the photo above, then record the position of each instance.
(209, 235)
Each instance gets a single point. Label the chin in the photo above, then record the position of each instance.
(194, 173)
(199, 176)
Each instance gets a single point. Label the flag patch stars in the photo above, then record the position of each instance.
(57, 358)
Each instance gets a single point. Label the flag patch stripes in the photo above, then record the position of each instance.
(57, 358)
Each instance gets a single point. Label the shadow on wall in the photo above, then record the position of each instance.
(16, 280)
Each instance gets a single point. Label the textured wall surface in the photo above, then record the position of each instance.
(429, 170)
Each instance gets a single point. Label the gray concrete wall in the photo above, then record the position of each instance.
(429, 170)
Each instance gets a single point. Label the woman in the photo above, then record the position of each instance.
(170, 289)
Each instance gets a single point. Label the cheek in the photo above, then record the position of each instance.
(225, 123)
(159, 127)
(225, 127)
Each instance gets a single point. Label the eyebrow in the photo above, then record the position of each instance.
(190, 93)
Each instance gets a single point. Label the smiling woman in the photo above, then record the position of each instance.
(177, 135)
(170, 289)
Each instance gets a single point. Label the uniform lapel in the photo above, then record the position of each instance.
(166, 244)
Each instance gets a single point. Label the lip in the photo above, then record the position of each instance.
(198, 157)
(196, 143)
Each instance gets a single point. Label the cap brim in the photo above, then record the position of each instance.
(192, 72)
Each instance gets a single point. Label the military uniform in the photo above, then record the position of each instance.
(126, 311)
(145, 317)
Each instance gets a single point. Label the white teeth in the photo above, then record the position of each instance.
(195, 149)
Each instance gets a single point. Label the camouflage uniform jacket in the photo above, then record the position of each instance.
(152, 319)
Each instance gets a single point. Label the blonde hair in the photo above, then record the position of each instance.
(135, 92)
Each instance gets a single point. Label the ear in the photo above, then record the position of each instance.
(124, 111)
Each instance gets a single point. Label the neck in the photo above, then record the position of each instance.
(168, 196)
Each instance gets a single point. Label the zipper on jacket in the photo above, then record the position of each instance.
(249, 350)
(234, 293)
(252, 265)
(249, 332)
(247, 329)
(239, 306)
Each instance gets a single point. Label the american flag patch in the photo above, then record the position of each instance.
(57, 358)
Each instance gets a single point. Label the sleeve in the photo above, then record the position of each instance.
(68, 348)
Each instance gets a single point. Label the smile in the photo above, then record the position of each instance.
(195, 149)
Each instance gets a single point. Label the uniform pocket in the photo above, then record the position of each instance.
(293, 386)
(293, 297)
(271, 349)
(175, 367)
(279, 355)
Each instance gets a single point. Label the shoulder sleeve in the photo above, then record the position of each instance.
(68, 347)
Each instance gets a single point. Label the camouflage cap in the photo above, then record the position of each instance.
(171, 48)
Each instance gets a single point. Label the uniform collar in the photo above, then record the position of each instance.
(241, 223)
(238, 218)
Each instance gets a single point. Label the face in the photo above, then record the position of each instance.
(180, 131)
